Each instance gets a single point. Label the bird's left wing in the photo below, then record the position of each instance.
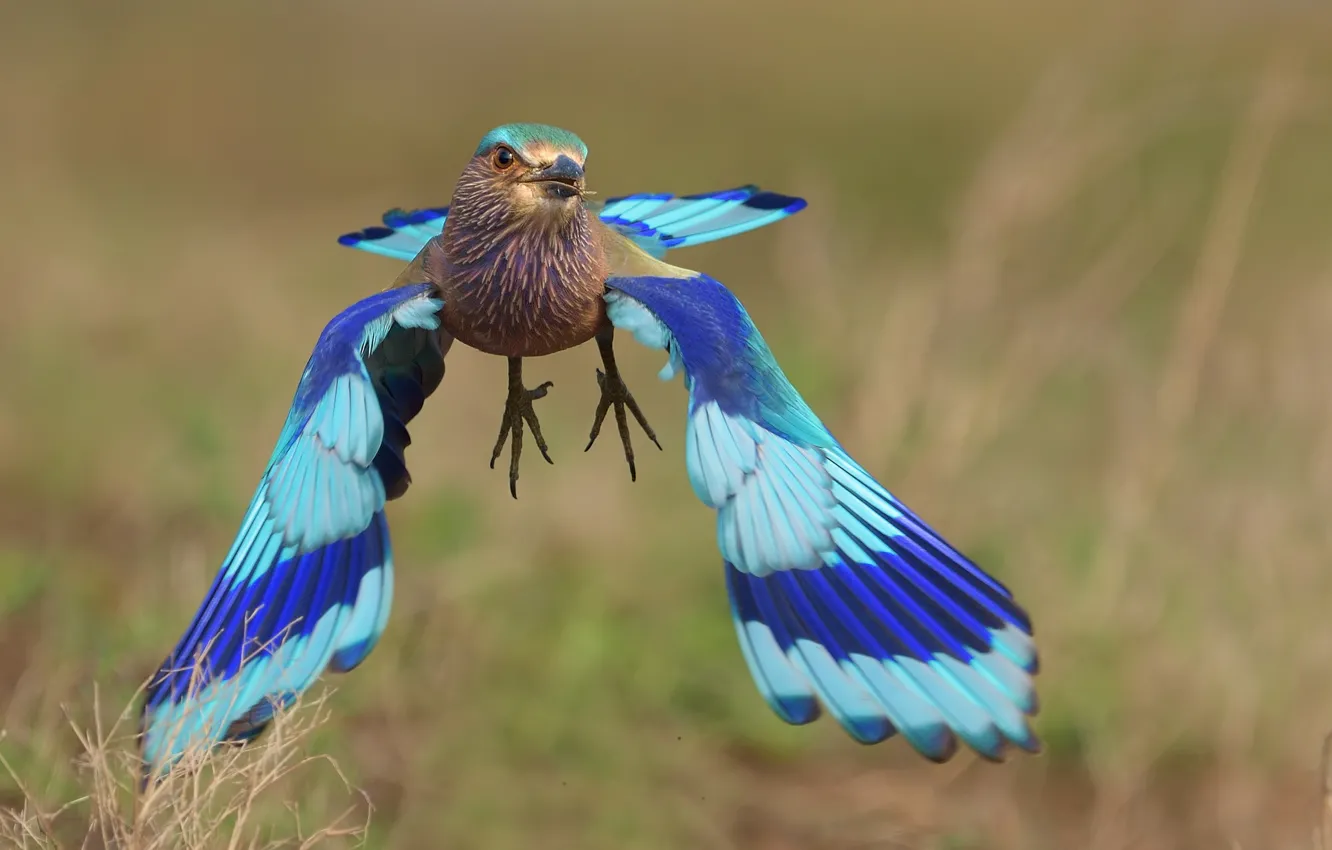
(839, 591)
(308, 582)
(658, 222)
(655, 221)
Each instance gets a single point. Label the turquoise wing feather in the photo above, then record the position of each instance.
(658, 222)
(655, 222)
(308, 583)
(841, 595)
(402, 235)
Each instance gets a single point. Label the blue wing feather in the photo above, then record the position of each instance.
(403, 234)
(655, 222)
(659, 222)
(307, 584)
(841, 595)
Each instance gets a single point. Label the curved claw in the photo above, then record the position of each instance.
(517, 411)
(615, 393)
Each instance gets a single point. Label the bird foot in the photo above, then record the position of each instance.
(517, 410)
(615, 393)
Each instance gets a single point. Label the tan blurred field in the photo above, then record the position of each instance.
(1065, 284)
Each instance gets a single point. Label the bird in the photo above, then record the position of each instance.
(842, 598)
(521, 252)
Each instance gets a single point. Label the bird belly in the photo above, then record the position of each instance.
(511, 330)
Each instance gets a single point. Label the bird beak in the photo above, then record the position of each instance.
(562, 178)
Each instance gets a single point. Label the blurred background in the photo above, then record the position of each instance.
(1064, 284)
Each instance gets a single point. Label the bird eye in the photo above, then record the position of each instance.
(502, 158)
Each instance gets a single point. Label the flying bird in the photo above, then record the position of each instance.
(522, 254)
(843, 599)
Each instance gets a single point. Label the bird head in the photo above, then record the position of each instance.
(524, 172)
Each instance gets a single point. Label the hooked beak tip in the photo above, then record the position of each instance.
(564, 172)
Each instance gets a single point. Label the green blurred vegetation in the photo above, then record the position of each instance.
(1063, 284)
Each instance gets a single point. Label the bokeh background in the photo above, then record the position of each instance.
(1064, 283)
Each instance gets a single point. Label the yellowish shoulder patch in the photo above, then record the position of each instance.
(626, 259)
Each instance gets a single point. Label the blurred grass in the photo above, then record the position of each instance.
(1063, 284)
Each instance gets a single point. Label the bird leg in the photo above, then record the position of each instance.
(614, 392)
(517, 410)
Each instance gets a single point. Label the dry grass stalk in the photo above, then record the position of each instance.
(213, 798)
(1199, 318)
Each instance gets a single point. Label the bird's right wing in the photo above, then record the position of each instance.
(841, 594)
(402, 234)
(657, 222)
(308, 582)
